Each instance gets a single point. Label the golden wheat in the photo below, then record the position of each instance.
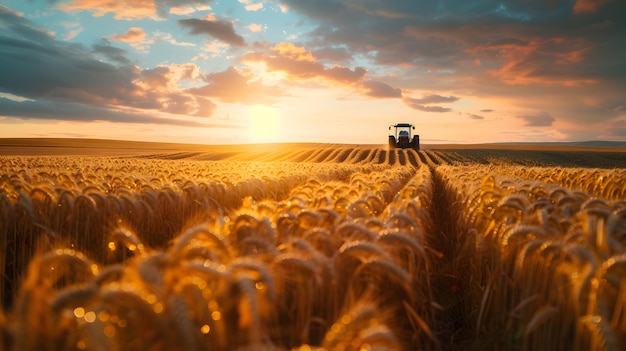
(341, 250)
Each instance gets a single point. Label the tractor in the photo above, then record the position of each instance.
(401, 137)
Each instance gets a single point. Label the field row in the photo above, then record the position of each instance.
(553, 256)
(127, 253)
(430, 157)
(342, 155)
(602, 183)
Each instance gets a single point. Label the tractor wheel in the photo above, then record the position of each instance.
(392, 142)
(416, 143)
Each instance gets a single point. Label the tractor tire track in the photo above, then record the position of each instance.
(412, 158)
(344, 155)
(402, 157)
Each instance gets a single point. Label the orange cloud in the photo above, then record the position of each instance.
(255, 27)
(235, 85)
(182, 10)
(298, 63)
(167, 78)
(292, 52)
(132, 35)
(251, 5)
(536, 60)
(135, 37)
(425, 103)
(254, 7)
(122, 9)
(161, 85)
(584, 6)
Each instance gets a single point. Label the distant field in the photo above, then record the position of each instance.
(128, 245)
(454, 154)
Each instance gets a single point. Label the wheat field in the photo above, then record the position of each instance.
(311, 247)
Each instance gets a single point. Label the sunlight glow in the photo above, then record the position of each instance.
(264, 124)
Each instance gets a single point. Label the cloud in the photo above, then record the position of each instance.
(434, 99)
(333, 54)
(233, 85)
(168, 38)
(56, 71)
(120, 9)
(562, 56)
(293, 52)
(68, 77)
(115, 54)
(583, 6)
(474, 116)
(251, 5)
(73, 30)
(67, 111)
(139, 40)
(255, 27)
(218, 29)
(163, 84)
(414, 105)
(539, 61)
(182, 10)
(422, 103)
(15, 26)
(132, 35)
(135, 37)
(185, 9)
(300, 64)
(73, 33)
(543, 119)
(380, 90)
(138, 9)
(524, 52)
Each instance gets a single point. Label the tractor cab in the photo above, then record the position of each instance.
(401, 136)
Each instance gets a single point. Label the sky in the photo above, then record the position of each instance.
(330, 71)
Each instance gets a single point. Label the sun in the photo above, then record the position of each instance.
(264, 124)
